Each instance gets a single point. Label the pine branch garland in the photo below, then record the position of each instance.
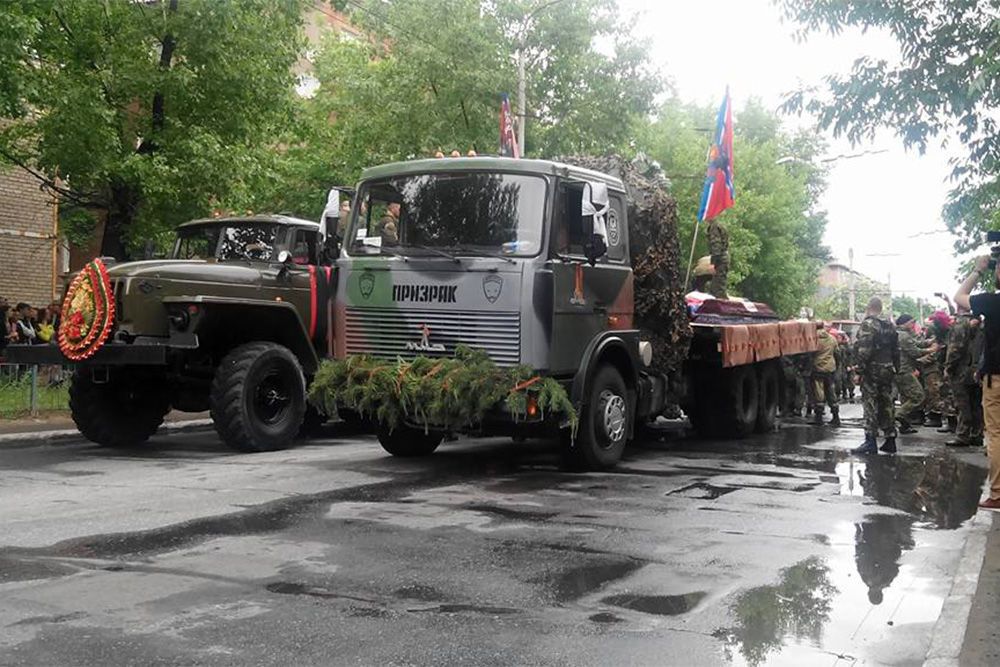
(448, 394)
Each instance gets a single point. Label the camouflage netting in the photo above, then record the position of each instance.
(660, 311)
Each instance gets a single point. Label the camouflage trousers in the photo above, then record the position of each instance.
(824, 391)
(938, 393)
(911, 395)
(969, 409)
(876, 399)
(720, 281)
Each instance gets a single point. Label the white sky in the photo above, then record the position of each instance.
(882, 203)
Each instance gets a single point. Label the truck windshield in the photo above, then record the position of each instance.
(469, 213)
(226, 242)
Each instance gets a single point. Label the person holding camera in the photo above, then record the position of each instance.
(987, 306)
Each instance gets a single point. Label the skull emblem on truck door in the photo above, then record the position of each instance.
(366, 284)
(492, 285)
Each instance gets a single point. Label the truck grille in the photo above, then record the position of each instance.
(388, 332)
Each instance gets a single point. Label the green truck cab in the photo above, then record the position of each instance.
(234, 321)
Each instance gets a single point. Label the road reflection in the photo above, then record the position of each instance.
(939, 490)
(797, 607)
(786, 622)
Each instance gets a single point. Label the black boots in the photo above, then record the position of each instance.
(869, 446)
(950, 426)
(904, 426)
(933, 419)
(817, 419)
(835, 422)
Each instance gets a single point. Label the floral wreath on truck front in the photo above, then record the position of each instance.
(88, 313)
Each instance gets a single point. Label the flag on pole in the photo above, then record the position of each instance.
(508, 138)
(719, 193)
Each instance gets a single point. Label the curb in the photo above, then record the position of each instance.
(63, 435)
(948, 635)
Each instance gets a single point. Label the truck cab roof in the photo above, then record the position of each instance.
(273, 219)
(491, 163)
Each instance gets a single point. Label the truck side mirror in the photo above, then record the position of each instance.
(331, 215)
(595, 205)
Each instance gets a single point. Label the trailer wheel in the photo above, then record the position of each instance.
(408, 442)
(603, 429)
(769, 393)
(123, 411)
(258, 397)
(737, 410)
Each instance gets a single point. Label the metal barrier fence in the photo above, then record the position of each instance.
(27, 391)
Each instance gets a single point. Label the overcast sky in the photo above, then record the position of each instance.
(883, 203)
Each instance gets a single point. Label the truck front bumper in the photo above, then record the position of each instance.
(111, 354)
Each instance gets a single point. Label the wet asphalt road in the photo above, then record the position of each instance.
(782, 549)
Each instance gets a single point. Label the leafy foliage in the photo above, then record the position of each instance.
(430, 78)
(775, 227)
(450, 393)
(943, 84)
(146, 113)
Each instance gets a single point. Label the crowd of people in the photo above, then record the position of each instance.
(945, 373)
(23, 324)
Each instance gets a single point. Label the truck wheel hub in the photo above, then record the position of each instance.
(271, 399)
(614, 415)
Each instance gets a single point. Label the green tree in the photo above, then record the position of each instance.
(431, 75)
(944, 83)
(775, 227)
(146, 113)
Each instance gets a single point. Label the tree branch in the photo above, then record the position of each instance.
(83, 199)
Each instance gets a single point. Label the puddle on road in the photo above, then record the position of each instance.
(881, 573)
(939, 489)
(580, 581)
(606, 617)
(661, 605)
(702, 491)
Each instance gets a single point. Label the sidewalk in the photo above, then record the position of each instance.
(982, 635)
(60, 425)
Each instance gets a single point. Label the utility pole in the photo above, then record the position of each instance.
(852, 313)
(522, 105)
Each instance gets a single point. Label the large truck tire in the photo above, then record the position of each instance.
(603, 428)
(258, 397)
(769, 396)
(738, 402)
(123, 411)
(408, 442)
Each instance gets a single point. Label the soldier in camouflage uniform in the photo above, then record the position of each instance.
(914, 353)
(795, 387)
(718, 248)
(877, 353)
(961, 358)
(937, 405)
(824, 367)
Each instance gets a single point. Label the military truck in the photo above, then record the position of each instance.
(235, 321)
(531, 261)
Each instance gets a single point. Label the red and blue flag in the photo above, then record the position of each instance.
(508, 139)
(719, 193)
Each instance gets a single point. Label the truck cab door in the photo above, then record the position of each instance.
(301, 280)
(588, 297)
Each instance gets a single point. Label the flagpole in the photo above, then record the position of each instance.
(694, 240)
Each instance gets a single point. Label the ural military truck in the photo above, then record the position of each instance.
(234, 322)
(541, 263)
